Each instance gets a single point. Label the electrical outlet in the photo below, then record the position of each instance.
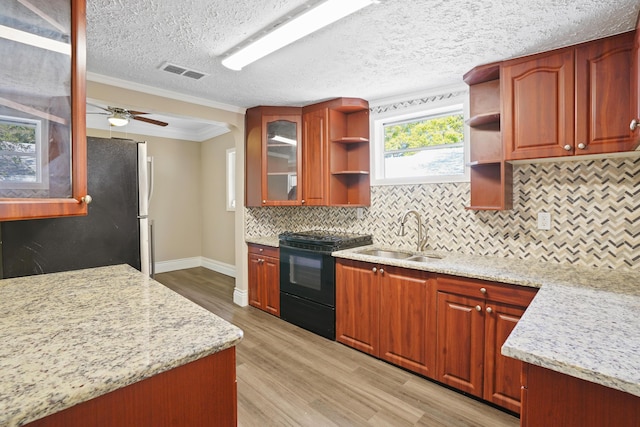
(544, 221)
(359, 213)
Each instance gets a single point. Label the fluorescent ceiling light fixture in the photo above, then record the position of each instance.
(118, 119)
(33, 40)
(284, 139)
(304, 24)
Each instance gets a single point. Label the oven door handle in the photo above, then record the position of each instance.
(296, 249)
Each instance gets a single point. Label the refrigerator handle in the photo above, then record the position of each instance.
(152, 254)
(150, 177)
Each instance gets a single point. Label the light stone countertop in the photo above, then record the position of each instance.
(264, 240)
(584, 322)
(69, 337)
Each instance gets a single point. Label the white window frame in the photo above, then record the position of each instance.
(42, 156)
(231, 179)
(441, 107)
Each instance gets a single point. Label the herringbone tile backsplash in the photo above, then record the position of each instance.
(594, 206)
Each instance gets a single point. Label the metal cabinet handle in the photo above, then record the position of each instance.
(374, 269)
(87, 199)
(381, 271)
(478, 308)
(264, 201)
(634, 124)
(261, 249)
(582, 146)
(302, 201)
(489, 310)
(567, 147)
(483, 290)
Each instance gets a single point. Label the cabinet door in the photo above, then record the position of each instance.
(315, 155)
(282, 160)
(407, 319)
(604, 101)
(502, 374)
(255, 280)
(538, 106)
(460, 342)
(271, 271)
(43, 164)
(357, 306)
(635, 85)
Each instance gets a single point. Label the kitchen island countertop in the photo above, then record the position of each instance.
(583, 322)
(72, 336)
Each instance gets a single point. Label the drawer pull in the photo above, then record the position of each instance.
(483, 290)
(489, 310)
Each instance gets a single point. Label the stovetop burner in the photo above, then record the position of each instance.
(324, 240)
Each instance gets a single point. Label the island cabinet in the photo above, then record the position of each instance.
(264, 278)
(551, 398)
(388, 312)
(44, 170)
(273, 158)
(200, 393)
(572, 101)
(474, 318)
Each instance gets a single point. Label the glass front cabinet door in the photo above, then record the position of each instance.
(282, 160)
(42, 109)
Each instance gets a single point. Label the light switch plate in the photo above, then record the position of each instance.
(544, 221)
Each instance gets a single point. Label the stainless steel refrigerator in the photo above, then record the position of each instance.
(115, 231)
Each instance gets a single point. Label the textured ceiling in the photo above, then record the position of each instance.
(387, 49)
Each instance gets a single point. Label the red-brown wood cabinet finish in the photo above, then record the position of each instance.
(573, 101)
(550, 398)
(315, 157)
(474, 319)
(388, 312)
(200, 393)
(14, 209)
(264, 278)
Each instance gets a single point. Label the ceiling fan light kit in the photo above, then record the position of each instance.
(118, 119)
(294, 29)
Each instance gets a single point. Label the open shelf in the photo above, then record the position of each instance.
(350, 173)
(483, 119)
(351, 140)
(491, 186)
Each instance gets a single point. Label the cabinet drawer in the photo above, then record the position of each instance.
(264, 250)
(508, 294)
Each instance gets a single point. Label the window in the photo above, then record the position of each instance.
(424, 146)
(22, 154)
(231, 179)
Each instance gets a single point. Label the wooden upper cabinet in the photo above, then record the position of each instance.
(273, 157)
(538, 106)
(573, 101)
(315, 157)
(635, 85)
(44, 174)
(605, 103)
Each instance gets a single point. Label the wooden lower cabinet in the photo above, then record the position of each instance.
(551, 398)
(474, 320)
(264, 278)
(200, 393)
(388, 312)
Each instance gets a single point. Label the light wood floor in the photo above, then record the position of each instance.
(290, 377)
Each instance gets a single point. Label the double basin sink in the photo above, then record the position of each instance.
(406, 256)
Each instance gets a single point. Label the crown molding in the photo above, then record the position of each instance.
(125, 84)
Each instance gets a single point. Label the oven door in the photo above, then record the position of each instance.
(308, 274)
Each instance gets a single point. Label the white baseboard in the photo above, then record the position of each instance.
(181, 264)
(177, 264)
(220, 267)
(241, 297)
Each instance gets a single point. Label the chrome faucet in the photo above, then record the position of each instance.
(422, 241)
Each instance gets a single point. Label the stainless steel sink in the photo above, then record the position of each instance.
(424, 258)
(386, 254)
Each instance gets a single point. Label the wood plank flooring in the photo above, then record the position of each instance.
(288, 376)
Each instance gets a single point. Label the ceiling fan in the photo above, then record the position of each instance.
(121, 116)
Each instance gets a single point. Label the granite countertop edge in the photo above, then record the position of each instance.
(264, 240)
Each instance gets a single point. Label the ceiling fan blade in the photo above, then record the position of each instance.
(153, 122)
(135, 113)
(97, 106)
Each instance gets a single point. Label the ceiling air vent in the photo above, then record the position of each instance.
(182, 71)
